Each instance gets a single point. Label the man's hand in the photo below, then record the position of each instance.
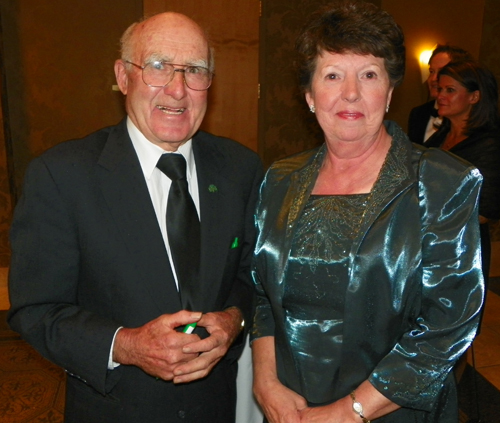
(223, 327)
(156, 347)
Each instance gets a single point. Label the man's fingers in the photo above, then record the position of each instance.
(203, 345)
(181, 318)
(197, 368)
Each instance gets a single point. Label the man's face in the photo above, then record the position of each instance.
(167, 116)
(438, 62)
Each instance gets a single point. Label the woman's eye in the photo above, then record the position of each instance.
(371, 75)
(331, 76)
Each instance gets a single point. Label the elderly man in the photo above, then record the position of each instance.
(424, 119)
(125, 240)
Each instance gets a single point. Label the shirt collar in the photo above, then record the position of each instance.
(149, 153)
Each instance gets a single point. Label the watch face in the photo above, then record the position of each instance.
(357, 407)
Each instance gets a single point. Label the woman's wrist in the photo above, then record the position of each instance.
(373, 403)
(357, 407)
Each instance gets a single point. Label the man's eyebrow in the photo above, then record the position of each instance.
(166, 59)
(201, 62)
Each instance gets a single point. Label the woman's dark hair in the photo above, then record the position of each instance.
(472, 76)
(351, 27)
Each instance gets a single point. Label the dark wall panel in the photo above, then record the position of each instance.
(285, 124)
(59, 70)
(58, 74)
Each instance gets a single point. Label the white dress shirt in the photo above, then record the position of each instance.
(158, 183)
(432, 126)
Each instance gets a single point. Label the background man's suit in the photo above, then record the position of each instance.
(418, 120)
(85, 232)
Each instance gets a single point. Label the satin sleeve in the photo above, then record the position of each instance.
(263, 323)
(451, 294)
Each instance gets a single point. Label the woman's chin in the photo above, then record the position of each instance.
(346, 136)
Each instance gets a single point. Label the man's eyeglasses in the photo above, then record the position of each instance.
(160, 74)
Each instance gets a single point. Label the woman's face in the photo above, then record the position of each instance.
(350, 93)
(454, 101)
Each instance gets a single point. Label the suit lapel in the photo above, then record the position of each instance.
(127, 196)
(215, 206)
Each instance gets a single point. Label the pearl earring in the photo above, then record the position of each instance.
(387, 109)
(312, 108)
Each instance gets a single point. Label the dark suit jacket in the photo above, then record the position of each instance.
(88, 257)
(418, 120)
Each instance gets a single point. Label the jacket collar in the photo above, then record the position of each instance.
(399, 159)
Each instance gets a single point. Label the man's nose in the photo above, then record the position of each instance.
(177, 86)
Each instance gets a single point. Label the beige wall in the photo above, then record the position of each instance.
(233, 29)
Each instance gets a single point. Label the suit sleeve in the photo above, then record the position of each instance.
(451, 294)
(411, 125)
(43, 282)
(242, 294)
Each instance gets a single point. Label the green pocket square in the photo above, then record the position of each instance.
(236, 243)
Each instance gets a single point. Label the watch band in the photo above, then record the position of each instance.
(358, 408)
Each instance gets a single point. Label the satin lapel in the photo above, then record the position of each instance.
(215, 210)
(128, 200)
(301, 186)
(290, 205)
(399, 159)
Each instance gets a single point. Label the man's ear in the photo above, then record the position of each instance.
(121, 76)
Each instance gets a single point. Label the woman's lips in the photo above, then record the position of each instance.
(349, 115)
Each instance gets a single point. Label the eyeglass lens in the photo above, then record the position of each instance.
(159, 74)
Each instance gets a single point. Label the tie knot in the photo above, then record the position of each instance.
(173, 165)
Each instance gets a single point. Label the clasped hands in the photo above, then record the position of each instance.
(161, 351)
(282, 405)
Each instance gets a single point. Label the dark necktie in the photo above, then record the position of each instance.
(183, 229)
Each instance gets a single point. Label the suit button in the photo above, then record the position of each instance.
(181, 414)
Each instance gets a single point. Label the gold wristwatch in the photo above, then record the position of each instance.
(358, 408)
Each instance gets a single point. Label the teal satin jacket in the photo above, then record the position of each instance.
(415, 289)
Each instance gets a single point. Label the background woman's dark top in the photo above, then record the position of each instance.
(482, 149)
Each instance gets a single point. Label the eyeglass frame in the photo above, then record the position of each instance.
(182, 70)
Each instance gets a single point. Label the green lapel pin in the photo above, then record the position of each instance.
(235, 243)
(212, 188)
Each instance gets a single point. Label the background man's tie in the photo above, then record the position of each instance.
(183, 229)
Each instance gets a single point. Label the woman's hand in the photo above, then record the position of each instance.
(339, 411)
(280, 404)
(375, 405)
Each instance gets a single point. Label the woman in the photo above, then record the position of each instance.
(360, 253)
(468, 103)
